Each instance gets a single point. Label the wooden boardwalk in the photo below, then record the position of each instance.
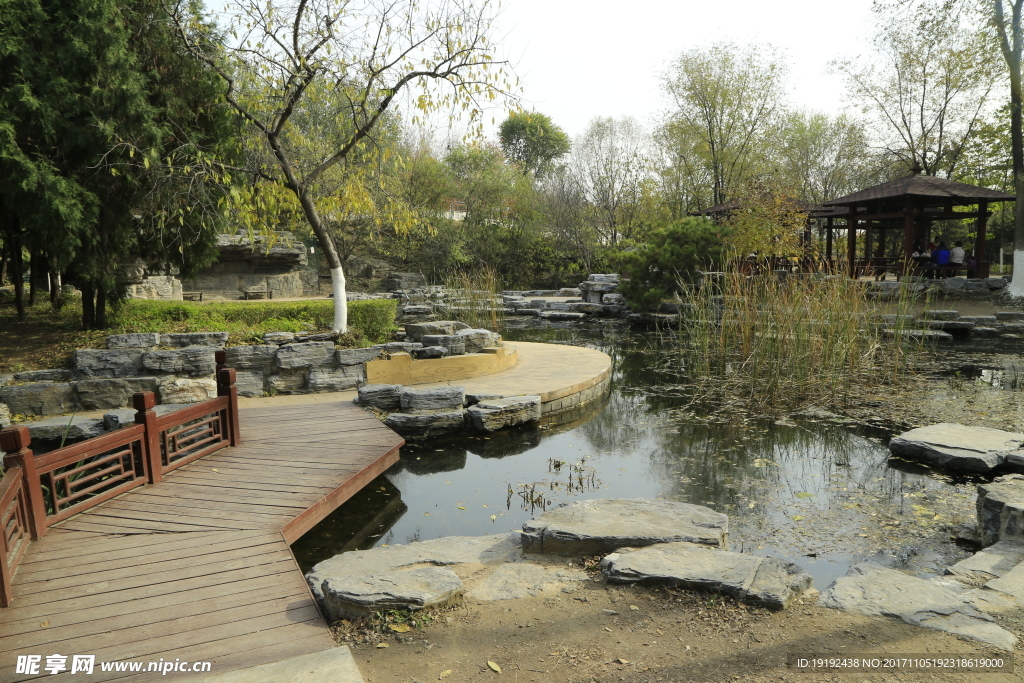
(197, 567)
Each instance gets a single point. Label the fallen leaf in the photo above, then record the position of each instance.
(45, 624)
(215, 470)
(381, 646)
(461, 508)
(634, 608)
(494, 666)
(798, 518)
(494, 517)
(804, 494)
(400, 628)
(444, 674)
(752, 505)
(620, 660)
(426, 514)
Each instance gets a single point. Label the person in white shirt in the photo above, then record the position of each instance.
(956, 255)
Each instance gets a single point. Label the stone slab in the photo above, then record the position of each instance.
(105, 363)
(305, 355)
(423, 425)
(957, 447)
(1000, 509)
(182, 339)
(256, 357)
(439, 398)
(380, 396)
(492, 414)
(873, 590)
(137, 340)
(194, 361)
(335, 379)
(100, 394)
(413, 589)
(73, 428)
(987, 564)
(758, 580)
(592, 527)
(187, 390)
(39, 398)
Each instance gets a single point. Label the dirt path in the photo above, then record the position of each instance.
(640, 635)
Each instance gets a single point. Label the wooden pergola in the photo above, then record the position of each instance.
(910, 203)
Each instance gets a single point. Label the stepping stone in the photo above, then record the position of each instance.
(592, 527)
(758, 580)
(448, 551)
(957, 447)
(873, 590)
(493, 414)
(413, 589)
(990, 563)
(1001, 509)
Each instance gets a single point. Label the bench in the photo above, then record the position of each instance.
(192, 296)
(257, 294)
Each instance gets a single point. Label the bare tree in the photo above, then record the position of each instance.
(364, 54)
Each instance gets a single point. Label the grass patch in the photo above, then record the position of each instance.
(475, 298)
(775, 344)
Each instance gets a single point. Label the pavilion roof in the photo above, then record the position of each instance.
(927, 186)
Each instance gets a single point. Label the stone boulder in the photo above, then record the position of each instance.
(455, 344)
(429, 352)
(194, 361)
(101, 394)
(492, 414)
(957, 447)
(5, 416)
(448, 551)
(414, 589)
(182, 339)
(439, 398)
(250, 382)
(399, 281)
(305, 355)
(1000, 506)
(423, 425)
(71, 429)
(47, 375)
(562, 315)
(39, 399)
(477, 339)
(138, 340)
(260, 357)
(592, 527)
(415, 331)
(278, 338)
(873, 590)
(594, 309)
(106, 363)
(335, 379)
(758, 580)
(356, 356)
(187, 390)
(380, 396)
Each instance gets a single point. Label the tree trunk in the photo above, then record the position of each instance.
(56, 296)
(3, 263)
(101, 308)
(88, 306)
(33, 277)
(17, 269)
(333, 262)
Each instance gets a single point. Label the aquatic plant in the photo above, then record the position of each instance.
(474, 297)
(774, 342)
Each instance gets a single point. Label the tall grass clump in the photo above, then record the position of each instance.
(474, 297)
(773, 343)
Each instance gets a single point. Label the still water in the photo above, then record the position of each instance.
(803, 489)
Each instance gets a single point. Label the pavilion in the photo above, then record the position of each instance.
(911, 203)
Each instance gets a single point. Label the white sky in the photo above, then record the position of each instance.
(578, 60)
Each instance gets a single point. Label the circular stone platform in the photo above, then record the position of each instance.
(565, 377)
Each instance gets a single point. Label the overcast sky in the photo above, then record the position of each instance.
(578, 60)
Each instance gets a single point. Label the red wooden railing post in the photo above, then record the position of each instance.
(144, 402)
(15, 441)
(226, 387)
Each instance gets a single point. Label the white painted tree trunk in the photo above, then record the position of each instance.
(340, 300)
(1016, 288)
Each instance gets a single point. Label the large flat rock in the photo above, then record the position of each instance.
(522, 580)
(878, 591)
(957, 447)
(412, 589)
(990, 563)
(757, 580)
(1000, 507)
(448, 551)
(591, 527)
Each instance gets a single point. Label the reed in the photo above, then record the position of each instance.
(775, 343)
(474, 297)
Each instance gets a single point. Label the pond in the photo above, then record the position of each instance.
(804, 489)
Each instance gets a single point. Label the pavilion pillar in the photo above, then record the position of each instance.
(851, 242)
(828, 240)
(909, 225)
(979, 244)
(869, 235)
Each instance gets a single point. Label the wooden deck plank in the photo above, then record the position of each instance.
(198, 567)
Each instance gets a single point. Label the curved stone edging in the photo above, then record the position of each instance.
(401, 368)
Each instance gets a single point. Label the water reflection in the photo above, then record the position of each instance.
(811, 492)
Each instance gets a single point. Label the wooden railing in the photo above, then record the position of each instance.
(36, 492)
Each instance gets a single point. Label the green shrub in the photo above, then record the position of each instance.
(672, 253)
(374, 318)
